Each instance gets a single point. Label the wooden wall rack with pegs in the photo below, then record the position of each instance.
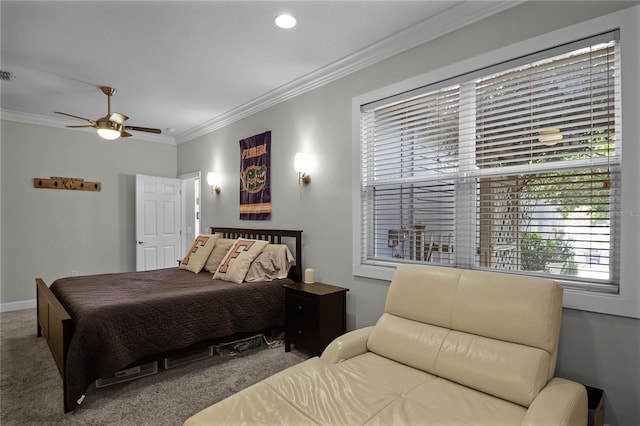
(66, 183)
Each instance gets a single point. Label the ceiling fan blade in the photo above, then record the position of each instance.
(74, 116)
(78, 127)
(118, 118)
(143, 129)
(125, 134)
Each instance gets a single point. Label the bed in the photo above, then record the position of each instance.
(100, 324)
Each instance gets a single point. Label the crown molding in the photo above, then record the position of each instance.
(44, 120)
(460, 15)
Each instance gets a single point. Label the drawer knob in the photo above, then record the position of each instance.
(299, 307)
(299, 332)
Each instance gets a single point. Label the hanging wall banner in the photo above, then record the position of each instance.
(255, 185)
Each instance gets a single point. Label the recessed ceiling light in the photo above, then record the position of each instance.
(285, 21)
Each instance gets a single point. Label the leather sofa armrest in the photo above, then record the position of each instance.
(561, 402)
(347, 346)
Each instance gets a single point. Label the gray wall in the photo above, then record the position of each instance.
(49, 233)
(603, 351)
(598, 350)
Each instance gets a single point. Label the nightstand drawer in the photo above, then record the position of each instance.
(302, 307)
(302, 332)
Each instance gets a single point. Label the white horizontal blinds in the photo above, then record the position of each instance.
(547, 157)
(556, 223)
(410, 157)
(417, 139)
(555, 110)
(414, 222)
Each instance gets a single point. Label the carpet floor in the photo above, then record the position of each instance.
(31, 388)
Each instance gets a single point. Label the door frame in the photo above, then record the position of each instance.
(184, 178)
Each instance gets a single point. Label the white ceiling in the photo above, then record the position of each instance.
(189, 67)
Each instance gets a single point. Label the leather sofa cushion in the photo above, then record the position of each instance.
(410, 342)
(479, 302)
(506, 370)
(423, 295)
(367, 389)
(488, 303)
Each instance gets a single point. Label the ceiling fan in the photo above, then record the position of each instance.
(111, 126)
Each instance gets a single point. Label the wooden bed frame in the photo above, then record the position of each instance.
(56, 325)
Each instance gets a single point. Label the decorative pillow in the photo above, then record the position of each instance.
(235, 265)
(272, 264)
(217, 254)
(263, 268)
(199, 252)
(283, 257)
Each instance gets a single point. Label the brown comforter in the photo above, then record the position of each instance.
(120, 318)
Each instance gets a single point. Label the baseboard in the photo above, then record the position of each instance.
(17, 306)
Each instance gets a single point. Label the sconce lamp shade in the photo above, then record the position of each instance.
(302, 164)
(213, 180)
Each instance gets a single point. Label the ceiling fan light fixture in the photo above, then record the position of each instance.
(109, 134)
(109, 130)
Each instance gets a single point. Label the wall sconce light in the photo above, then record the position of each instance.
(302, 164)
(214, 182)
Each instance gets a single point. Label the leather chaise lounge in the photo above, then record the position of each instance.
(453, 347)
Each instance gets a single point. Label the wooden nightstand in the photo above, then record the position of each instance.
(315, 315)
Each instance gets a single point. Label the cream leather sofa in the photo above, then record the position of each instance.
(453, 347)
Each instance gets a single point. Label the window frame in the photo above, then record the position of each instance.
(627, 302)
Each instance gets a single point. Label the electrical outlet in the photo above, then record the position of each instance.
(74, 273)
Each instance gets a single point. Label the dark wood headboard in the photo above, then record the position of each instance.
(274, 236)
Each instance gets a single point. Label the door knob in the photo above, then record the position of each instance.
(141, 242)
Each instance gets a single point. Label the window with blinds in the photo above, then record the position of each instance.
(409, 168)
(513, 168)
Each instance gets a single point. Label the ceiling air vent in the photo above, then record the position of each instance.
(6, 76)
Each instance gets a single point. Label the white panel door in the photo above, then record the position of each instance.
(158, 222)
